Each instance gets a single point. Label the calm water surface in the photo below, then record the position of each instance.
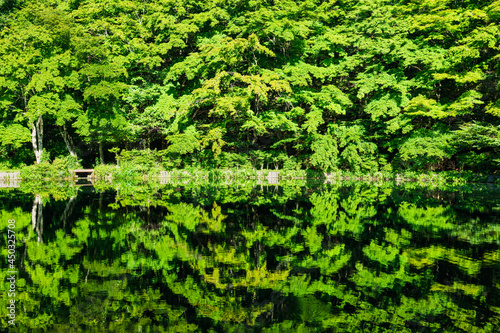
(217, 258)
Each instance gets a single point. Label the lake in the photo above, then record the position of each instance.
(217, 257)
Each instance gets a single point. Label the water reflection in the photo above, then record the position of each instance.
(37, 216)
(199, 258)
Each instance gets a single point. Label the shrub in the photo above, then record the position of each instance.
(426, 150)
(41, 171)
(103, 170)
(60, 168)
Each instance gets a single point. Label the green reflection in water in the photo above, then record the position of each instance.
(373, 257)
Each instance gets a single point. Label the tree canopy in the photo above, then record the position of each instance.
(355, 85)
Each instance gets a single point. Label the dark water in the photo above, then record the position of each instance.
(329, 258)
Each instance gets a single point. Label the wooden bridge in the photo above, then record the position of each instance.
(88, 173)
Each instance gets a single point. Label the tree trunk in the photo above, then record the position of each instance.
(101, 153)
(68, 141)
(37, 138)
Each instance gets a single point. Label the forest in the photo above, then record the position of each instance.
(368, 85)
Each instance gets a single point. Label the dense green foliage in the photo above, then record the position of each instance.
(217, 258)
(352, 85)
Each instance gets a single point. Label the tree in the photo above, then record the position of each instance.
(38, 72)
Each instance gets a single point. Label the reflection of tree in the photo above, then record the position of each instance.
(37, 217)
(286, 259)
(68, 210)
